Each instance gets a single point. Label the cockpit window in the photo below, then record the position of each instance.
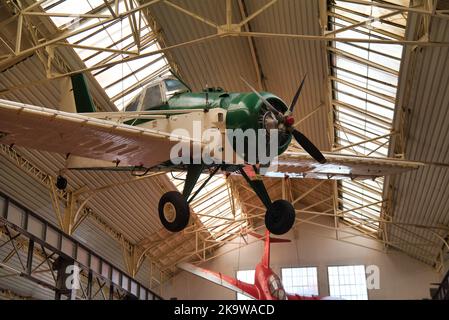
(281, 294)
(175, 85)
(132, 106)
(152, 98)
(276, 289)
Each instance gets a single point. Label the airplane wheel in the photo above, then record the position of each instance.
(280, 217)
(174, 211)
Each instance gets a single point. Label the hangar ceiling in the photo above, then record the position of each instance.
(279, 42)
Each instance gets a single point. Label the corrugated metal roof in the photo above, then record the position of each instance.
(422, 196)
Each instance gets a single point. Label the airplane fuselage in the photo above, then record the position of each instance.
(268, 284)
(244, 111)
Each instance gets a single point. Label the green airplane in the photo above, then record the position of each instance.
(156, 132)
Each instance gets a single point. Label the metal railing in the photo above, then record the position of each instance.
(442, 293)
(33, 243)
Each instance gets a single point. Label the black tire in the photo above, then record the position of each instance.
(177, 213)
(280, 217)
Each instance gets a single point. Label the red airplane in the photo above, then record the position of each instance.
(267, 284)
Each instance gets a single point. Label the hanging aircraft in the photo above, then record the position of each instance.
(267, 284)
(156, 131)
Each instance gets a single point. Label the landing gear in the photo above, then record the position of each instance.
(174, 211)
(280, 217)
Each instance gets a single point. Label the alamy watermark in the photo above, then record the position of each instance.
(235, 146)
(372, 277)
(73, 282)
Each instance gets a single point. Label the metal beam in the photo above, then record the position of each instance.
(362, 23)
(69, 34)
(385, 5)
(256, 13)
(252, 48)
(304, 37)
(47, 181)
(364, 141)
(192, 14)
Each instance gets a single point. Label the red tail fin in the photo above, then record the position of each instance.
(272, 240)
(266, 251)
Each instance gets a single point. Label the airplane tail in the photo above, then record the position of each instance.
(75, 96)
(268, 240)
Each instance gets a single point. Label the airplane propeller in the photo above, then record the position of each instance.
(279, 116)
(308, 146)
(295, 98)
(286, 121)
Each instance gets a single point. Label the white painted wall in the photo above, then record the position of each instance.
(401, 277)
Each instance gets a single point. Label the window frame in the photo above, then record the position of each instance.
(138, 97)
(346, 265)
(171, 93)
(145, 92)
(299, 267)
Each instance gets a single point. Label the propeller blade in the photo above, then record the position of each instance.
(295, 98)
(308, 146)
(276, 112)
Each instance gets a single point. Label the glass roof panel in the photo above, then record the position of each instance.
(215, 207)
(364, 92)
(123, 37)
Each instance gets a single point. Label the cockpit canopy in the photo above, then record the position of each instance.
(275, 286)
(156, 94)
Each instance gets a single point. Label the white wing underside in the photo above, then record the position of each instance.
(81, 135)
(338, 166)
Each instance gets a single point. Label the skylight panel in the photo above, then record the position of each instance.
(214, 205)
(69, 6)
(124, 80)
(364, 83)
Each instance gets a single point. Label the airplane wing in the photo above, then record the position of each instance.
(122, 116)
(338, 166)
(81, 135)
(221, 279)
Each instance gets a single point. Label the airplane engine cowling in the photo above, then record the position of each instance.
(249, 114)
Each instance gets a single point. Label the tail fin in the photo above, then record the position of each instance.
(266, 251)
(75, 96)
